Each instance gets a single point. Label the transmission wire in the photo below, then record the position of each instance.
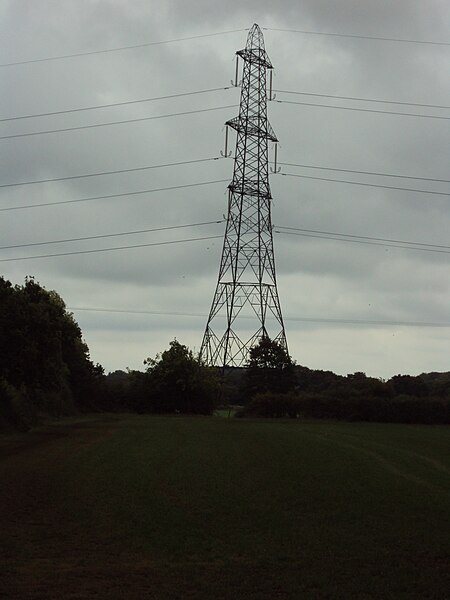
(112, 104)
(182, 94)
(361, 99)
(378, 174)
(211, 237)
(300, 319)
(376, 185)
(98, 173)
(365, 110)
(119, 49)
(364, 237)
(108, 235)
(122, 122)
(361, 37)
(277, 228)
(341, 239)
(92, 198)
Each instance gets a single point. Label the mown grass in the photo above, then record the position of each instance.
(137, 507)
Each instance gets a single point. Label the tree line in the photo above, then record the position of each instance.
(46, 369)
(356, 397)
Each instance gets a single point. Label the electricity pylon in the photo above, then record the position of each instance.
(246, 288)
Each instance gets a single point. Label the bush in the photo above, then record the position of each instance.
(352, 407)
(16, 407)
(270, 369)
(271, 405)
(176, 382)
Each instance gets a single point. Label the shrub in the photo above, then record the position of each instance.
(16, 407)
(354, 406)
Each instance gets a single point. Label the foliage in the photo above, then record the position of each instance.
(175, 382)
(269, 369)
(16, 408)
(43, 358)
(271, 405)
(353, 406)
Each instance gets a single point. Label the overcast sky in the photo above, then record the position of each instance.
(318, 279)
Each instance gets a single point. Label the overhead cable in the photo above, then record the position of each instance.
(361, 99)
(109, 123)
(360, 36)
(276, 230)
(209, 237)
(119, 48)
(424, 245)
(361, 241)
(204, 110)
(206, 35)
(365, 110)
(206, 91)
(300, 319)
(376, 185)
(364, 237)
(122, 195)
(114, 172)
(112, 104)
(109, 235)
(377, 173)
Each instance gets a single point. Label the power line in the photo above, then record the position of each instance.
(206, 35)
(109, 235)
(92, 198)
(364, 237)
(99, 106)
(361, 37)
(362, 241)
(378, 174)
(203, 110)
(300, 319)
(295, 231)
(212, 158)
(122, 122)
(98, 173)
(365, 110)
(217, 222)
(376, 185)
(182, 94)
(119, 48)
(361, 99)
(210, 237)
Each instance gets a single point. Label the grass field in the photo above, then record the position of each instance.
(141, 507)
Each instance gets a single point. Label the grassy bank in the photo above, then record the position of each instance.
(142, 507)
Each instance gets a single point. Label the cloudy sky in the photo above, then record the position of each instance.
(349, 306)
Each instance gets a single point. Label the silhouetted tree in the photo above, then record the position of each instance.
(269, 369)
(44, 361)
(177, 382)
(406, 384)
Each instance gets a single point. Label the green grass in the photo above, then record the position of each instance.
(225, 412)
(141, 507)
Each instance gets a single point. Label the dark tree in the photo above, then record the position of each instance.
(44, 362)
(177, 382)
(269, 369)
(408, 385)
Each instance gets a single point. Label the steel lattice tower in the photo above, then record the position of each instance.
(246, 284)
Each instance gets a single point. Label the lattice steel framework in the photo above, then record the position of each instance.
(246, 284)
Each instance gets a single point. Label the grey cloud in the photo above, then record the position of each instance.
(316, 277)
